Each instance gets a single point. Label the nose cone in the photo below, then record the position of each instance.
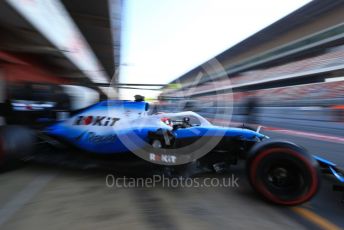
(244, 133)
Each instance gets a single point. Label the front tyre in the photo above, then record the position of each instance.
(284, 175)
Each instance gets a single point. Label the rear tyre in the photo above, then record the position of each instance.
(283, 174)
(16, 144)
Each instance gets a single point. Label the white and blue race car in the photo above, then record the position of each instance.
(119, 134)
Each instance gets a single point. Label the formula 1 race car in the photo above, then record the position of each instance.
(122, 133)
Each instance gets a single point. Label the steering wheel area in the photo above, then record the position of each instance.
(177, 124)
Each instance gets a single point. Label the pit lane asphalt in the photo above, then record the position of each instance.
(37, 197)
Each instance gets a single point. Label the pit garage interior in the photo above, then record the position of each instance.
(83, 53)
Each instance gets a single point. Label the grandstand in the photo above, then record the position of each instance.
(286, 64)
(334, 58)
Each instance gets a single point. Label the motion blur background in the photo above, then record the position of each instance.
(286, 73)
(58, 56)
(289, 74)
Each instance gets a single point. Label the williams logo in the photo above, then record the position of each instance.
(96, 120)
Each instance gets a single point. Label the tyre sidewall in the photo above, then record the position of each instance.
(293, 152)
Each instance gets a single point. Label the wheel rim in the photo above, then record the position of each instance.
(157, 144)
(285, 180)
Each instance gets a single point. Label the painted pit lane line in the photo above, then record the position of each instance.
(315, 136)
(310, 135)
(23, 197)
(315, 219)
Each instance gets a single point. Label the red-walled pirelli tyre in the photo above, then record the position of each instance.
(283, 173)
(16, 143)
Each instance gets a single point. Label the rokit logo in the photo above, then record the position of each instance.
(96, 120)
(163, 158)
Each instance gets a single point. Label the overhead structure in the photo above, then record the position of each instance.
(100, 24)
(73, 41)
